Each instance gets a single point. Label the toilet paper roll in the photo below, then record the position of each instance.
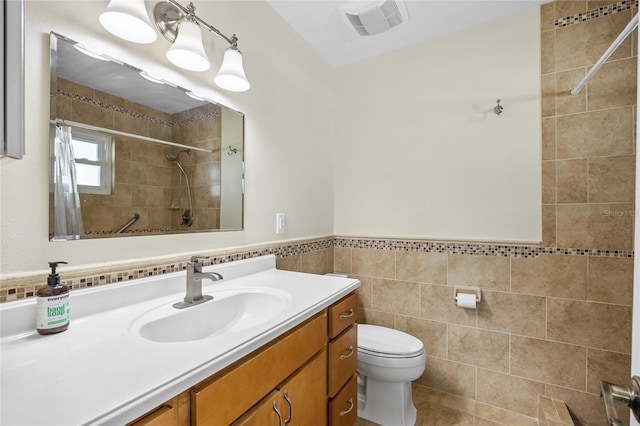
(466, 300)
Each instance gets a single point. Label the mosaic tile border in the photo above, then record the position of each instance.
(599, 12)
(21, 288)
(479, 249)
(131, 113)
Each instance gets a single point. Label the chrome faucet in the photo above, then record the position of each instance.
(194, 283)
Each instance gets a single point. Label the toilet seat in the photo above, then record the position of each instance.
(385, 342)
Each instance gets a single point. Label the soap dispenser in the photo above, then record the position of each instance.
(52, 310)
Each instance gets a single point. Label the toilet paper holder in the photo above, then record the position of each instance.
(466, 290)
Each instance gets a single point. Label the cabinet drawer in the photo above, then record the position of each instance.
(343, 359)
(343, 409)
(342, 314)
(233, 391)
(163, 416)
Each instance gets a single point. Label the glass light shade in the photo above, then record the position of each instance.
(128, 19)
(187, 51)
(231, 75)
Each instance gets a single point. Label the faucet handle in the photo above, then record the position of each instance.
(196, 259)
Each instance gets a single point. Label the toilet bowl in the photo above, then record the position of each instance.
(388, 360)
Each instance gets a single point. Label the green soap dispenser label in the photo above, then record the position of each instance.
(52, 311)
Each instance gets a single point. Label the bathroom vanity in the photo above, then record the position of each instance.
(275, 346)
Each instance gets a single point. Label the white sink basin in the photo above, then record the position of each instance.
(229, 312)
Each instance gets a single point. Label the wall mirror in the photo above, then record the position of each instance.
(134, 155)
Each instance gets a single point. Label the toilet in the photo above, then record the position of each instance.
(388, 360)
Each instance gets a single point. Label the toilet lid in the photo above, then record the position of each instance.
(383, 340)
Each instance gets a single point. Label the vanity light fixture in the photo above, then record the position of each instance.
(128, 19)
(181, 26)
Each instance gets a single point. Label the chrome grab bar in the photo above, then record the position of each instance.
(126, 226)
(624, 395)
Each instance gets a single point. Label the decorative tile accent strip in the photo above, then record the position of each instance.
(131, 113)
(19, 288)
(480, 249)
(596, 13)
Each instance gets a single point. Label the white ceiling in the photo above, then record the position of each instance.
(324, 27)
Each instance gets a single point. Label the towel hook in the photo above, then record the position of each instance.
(498, 108)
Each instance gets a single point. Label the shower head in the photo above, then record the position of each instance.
(174, 157)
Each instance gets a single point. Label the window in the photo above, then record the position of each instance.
(94, 161)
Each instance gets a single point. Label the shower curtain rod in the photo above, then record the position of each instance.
(62, 122)
(617, 42)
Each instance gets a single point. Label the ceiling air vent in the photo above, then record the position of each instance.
(377, 17)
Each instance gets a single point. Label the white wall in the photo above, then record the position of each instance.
(418, 152)
(288, 160)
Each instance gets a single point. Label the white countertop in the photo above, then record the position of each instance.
(101, 371)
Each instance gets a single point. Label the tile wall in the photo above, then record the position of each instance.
(144, 181)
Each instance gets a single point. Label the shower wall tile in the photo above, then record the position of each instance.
(548, 139)
(612, 367)
(91, 114)
(614, 85)
(550, 275)
(549, 225)
(586, 408)
(589, 324)
(566, 8)
(549, 362)
(612, 179)
(549, 182)
(508, 391)
(490, 415)
(512, 313)
(599, 133)
(482, 348)
(548, 86)
(547, 16)
(547, 57)
(572, 181)
(490, 272)
(566, 103)
(602, 226)
(611, 280)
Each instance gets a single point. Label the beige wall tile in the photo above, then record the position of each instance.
(610, 366)
(611, 280)
(547, 56)
(586, 408)
(612, 179)
(491, 272)
(314, 262)
(583, 44)
(433, 334)
(342, 260)
(397, 297)
(289, 263)
(443, 399)
(512, 313)
(614, 85)
(547, 16)
(599, 133)
(509, 392)
(370, 316)
(597, 226)
(550, 275)
(451, 377)
(549, 225)
(548, 138)
(365, 292)
(487, 349)
(596, 325)
(437, 303)
(91, 114)
(146, 196)
(566, 8)
(566, 103)
(373, 263)
(421, 267)
(549, 362)
(548, 86)
(549, 187)
(572, 181)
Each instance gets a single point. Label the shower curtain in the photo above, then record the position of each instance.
(68, 214)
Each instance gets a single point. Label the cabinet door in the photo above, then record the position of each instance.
(267, 413)
(305, 394)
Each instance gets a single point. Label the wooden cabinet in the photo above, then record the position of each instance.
(342, 389)
(305, 377)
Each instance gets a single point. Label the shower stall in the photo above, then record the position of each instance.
(186, 214)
